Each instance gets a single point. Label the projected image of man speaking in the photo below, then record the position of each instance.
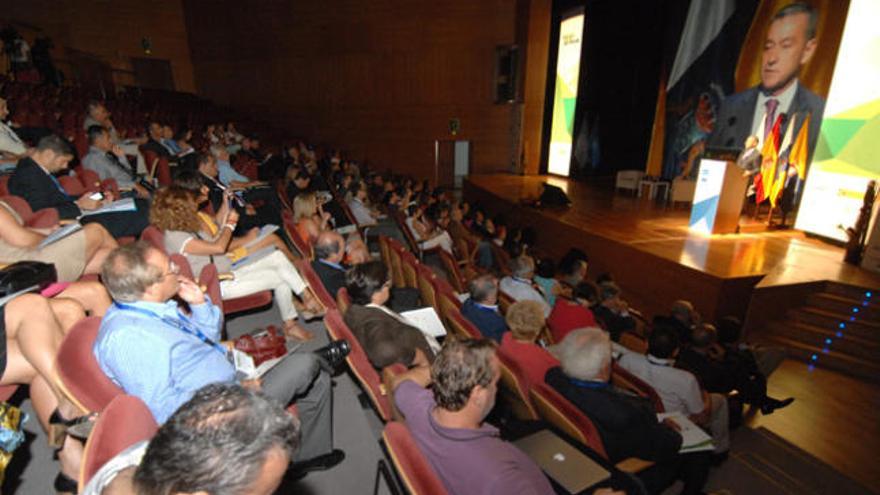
(789, 44)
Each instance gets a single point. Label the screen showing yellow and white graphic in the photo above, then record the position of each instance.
(568, 64)
(846, 157)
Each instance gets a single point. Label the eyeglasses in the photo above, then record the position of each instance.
(173, 269)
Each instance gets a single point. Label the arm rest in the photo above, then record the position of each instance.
(633, 465)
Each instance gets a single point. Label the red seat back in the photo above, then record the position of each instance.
(558, 411)
(411, 464)
(72, 185)
(123, 423)
(78, 370)
(155, 237)
(622, 378)
(210, 280)
(312, 279)
(90, 180)
(4, 184)
(45, 218)
(514, 380)
(343, 300)
(359, 364)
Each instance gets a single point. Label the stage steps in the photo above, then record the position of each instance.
(836, 328)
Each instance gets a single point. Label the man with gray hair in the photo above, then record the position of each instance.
(185, 455)
(482, 307)
(97, 114)
(627, 424)
(520, 286)
(155, 351)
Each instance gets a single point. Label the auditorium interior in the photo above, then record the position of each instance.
(708, 165)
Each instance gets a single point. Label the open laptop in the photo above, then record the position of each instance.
(567, 465)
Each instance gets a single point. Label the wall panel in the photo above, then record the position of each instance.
(382, 79)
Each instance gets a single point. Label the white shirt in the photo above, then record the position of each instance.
(784, 99)
(522, 290)
(678, 389)
(130, 457)
(9, 140)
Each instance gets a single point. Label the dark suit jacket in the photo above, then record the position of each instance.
(32, 183)
(733, 123)
(385, 339)
(332, 278)
(157, 148)
(627, 424)
(490, 323)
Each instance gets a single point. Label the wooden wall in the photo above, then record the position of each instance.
(381, 78)
(110, 29)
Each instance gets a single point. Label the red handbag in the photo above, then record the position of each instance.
(263, 346)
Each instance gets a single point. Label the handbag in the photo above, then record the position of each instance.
(263, 346)
(26, 274)
(11, 434)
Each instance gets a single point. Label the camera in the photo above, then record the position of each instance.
(333, 354)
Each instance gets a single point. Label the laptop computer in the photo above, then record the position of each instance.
(567, 465)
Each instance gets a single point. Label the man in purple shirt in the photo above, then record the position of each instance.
(447, 424)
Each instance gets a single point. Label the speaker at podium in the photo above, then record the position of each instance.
(720, 192)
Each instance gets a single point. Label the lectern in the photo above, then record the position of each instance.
(719, 195)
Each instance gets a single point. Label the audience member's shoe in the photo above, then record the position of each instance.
(332, 355)
(65, 484)
(770, 404)
(320, 463)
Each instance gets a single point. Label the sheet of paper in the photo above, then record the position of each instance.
(427, 320)
(117, 206)
(693, 438)
(59, 234)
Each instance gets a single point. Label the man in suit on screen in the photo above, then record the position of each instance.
(789, 44)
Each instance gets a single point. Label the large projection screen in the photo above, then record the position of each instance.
(846, 156)
(568, 64)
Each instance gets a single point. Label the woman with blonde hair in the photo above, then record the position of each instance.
(311, 220)
(175, 210)
(526, 322)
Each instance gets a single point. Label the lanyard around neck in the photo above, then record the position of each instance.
(181, 323)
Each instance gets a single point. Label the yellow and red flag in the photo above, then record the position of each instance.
(770, 155)
(779, 182)
(799, 151)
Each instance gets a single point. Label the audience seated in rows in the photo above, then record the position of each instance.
(311, 220)
(614, 313)
(425, 230)
(385, 336)
(250, 216)
(573, 311)
(175, 211)
(447, 422)
(366, 216)
(721, 370)
(186, 456)
(481, 308)
(108, 160)
(98, 115)
(627, 424)
(520, 286)
(154, 351)
(33, 180)
(526, 321)
(679, 389)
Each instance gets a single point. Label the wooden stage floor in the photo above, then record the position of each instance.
(647, 247)
(621, 232)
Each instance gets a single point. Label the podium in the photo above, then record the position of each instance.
(719, 195)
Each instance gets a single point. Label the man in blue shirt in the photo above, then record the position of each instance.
(482, 308)
(153, 351)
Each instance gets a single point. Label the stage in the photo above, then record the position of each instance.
(648, 248)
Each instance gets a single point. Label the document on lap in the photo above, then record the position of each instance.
(118, 206)
(265, 231)
(59, 234)
(693, 438)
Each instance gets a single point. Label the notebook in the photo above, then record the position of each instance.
(693, 438)
(567, 465)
